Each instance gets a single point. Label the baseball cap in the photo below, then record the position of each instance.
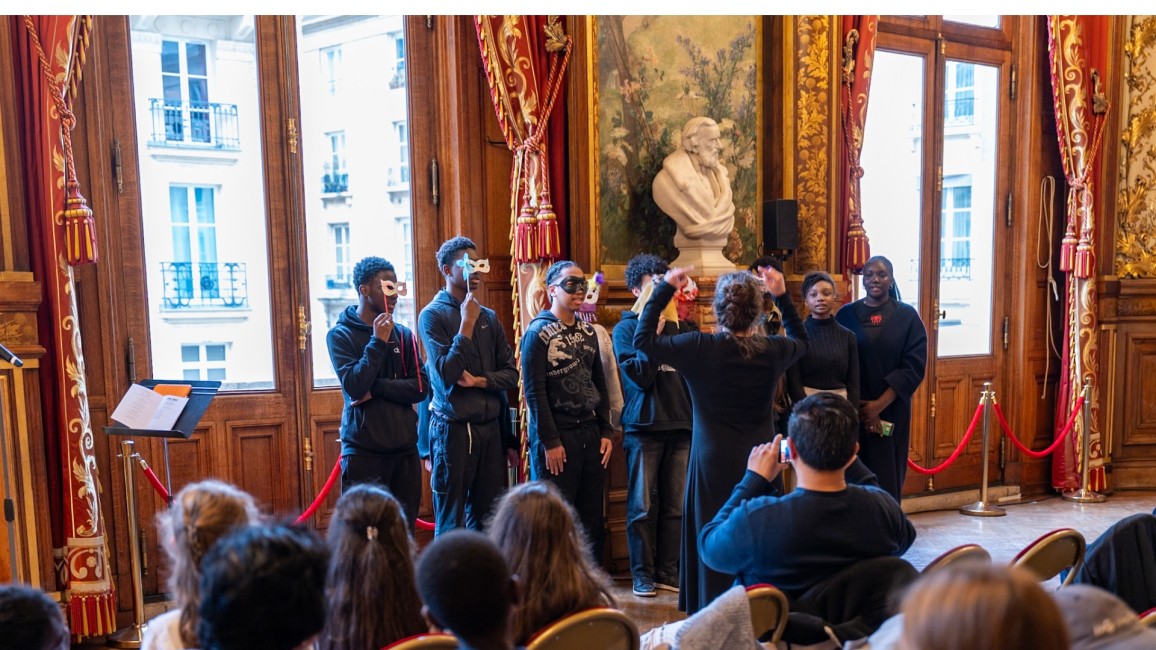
(1098, 620)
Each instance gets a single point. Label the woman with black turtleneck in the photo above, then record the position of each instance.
(892, 359)
(831, 363)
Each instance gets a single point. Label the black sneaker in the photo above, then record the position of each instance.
(644, 587)
(666, 583)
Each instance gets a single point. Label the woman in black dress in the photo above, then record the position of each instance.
(732, 376)
(832, 360)
(892, 359)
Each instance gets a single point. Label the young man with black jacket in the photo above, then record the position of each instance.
(566, 400)
(471, 366)
(656, 419)
(378, 364)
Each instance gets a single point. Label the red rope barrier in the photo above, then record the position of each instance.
(156, 482)
(1051, 448)
(958, 450)
(323, 494)
(328, 487)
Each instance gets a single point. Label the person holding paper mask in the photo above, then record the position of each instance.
(379, 367)
(471, 366)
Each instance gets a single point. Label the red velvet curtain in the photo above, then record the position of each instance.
(525, 59)
(858, 33)
(60, 229)
(1078, 54)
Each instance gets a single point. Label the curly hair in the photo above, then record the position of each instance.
(534, 528)
(738, 305)
(370, 586)
(365, 270)
(200, 514)
(449, 250)
(643, 266)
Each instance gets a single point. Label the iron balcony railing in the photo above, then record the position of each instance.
(397, 176)
(204, 285)
(338, 282)
(334, 183)
(955, 268)
(959, 111)
(180, 123)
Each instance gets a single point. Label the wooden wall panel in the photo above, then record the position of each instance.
(255, 450)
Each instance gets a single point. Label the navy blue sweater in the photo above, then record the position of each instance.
(795, 541)
(655, 397)
(391, 373)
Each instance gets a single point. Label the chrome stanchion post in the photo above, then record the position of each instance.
(131, 636)
(982, 508)
(1085, 493)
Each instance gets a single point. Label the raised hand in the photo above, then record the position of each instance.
(471, 309)
(774, 280)
(677, 277)
(383, 326)
(764, 459)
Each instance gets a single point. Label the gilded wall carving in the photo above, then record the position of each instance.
(1136, 199)
(813, 133)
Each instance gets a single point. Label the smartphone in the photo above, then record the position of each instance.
(885, 428)
(784, 451)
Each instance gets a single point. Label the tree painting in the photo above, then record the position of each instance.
(654, 74)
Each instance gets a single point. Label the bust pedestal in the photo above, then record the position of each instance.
(706, 255)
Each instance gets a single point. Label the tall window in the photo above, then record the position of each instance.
(194, 227)
(342, 262)
(204, 361)
(398, 79)
(185, 82)
(331, 68)
(955, 235)
(337, 175)
(402, 131)
(960, 106)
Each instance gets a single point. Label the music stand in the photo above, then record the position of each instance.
(199, 397)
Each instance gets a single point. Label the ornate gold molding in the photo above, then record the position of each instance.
(1136, 198)
(812, 135)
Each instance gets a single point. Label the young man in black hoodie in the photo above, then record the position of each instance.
(656, 419)
(379, 367)
(471, 366)
(566, 399)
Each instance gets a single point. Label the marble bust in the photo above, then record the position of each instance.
(694, 189)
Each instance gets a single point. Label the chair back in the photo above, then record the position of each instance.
(600, 627)
(425, 642)
(961, 552)
(1149, 617)
(768, 612)
(1052, 553)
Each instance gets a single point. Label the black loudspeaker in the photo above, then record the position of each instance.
(780, 225)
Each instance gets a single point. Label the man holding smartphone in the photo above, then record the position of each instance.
(798, 541)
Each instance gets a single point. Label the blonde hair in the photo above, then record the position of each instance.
(200, 514)
(980, 605)
(534, 528)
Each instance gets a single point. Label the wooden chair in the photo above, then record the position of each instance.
(768, 612)
(426, 641)
(1149, 617)
(600, 627)
(1052, 553)
(962, 552)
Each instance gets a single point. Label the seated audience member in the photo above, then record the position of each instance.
(1123, 561)
(370, 589)
(263, 588)
(824, 526)
(535, 529)
(29, 620)
(973, 605)
(200, 514)
(1098, 620)
(468, 590)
